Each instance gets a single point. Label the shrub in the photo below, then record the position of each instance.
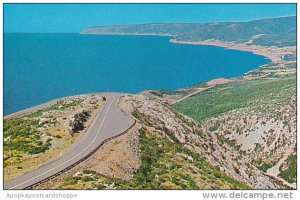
(70, 181)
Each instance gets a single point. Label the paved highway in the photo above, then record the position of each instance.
(109, 122)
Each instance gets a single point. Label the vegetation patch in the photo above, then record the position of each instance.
(290, 174)
(21, 138)
(231, 143)
(263, 166)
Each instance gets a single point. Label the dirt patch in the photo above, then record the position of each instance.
(218, 81)
(119, 158)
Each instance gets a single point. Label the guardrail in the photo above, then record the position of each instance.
(79, 161)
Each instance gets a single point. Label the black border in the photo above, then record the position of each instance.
(293, 190)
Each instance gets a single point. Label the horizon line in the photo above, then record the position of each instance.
(134, 24)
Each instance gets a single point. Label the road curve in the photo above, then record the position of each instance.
(109, 122)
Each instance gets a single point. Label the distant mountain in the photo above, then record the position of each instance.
(266, 32)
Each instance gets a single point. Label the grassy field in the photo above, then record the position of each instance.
(257, 94)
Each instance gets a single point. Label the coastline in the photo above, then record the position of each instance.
(130, 34)
(275, 54)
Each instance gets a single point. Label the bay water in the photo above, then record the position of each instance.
(39, 67)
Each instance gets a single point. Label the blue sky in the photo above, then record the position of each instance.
(76, 17)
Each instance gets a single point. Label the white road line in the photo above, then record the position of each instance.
(74, 156)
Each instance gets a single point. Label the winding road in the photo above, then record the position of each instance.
(109, 122)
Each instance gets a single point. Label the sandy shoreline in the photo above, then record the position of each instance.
(275, 54)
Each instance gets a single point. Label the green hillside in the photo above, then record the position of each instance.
(257, 94)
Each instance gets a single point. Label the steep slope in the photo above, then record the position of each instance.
(254, 119)
(200, 139)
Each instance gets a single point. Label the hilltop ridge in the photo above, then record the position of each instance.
(266, 32)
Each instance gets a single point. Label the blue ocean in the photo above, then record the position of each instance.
(42, 67)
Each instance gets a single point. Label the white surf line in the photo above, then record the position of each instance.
(74, 156)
